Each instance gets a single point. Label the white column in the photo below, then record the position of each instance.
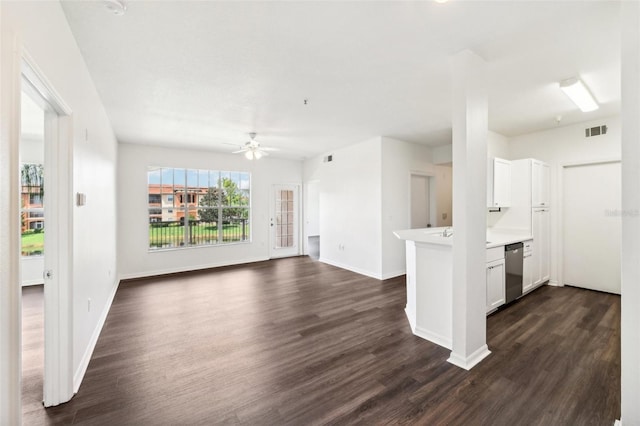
(470, 128)
(10, 291)
(630, 262)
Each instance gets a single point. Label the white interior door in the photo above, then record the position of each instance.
(419, 201)
(284, 222)
(592, 226)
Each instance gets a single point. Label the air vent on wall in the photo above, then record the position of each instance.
(328, 158)
(595, 131)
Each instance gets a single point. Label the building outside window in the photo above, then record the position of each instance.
(32, 209)
(198, 207)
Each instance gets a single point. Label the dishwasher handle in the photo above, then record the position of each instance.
(513, 247)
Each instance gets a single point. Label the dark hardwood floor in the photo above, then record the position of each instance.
(296, 342)
(32, 349)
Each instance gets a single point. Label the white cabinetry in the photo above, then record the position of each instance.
(540, 226)
(495, 285)
(539, 184)
(495, 278)
(527, 267)
(499, 183)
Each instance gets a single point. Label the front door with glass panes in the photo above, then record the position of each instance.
(284, 221)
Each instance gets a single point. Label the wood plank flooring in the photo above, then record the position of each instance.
(297, 342)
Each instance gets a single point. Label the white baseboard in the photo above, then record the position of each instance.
(350, 268)
(175, 270)
(438, 339)
(553, 283)
(394, 274)
(84, 362)
(470, 361)
(410, 317)
(617, 423)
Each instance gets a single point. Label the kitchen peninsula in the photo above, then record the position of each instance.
(429, 261)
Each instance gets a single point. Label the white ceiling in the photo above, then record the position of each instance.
(199, 74)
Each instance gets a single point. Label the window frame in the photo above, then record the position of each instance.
(183, 213)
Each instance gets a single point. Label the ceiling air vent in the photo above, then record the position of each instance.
(595, 131)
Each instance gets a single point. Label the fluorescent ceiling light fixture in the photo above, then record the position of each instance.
(575, 89)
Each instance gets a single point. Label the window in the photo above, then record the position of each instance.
(216, 210)
(32, 209)
(35, 199)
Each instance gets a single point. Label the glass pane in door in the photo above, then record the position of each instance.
(284, 218)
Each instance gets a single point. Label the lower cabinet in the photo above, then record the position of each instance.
(541, 245)
(495, 284)
(527, 272)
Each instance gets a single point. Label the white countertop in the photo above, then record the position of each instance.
(425, 235)
(502, 237)
(495, 237)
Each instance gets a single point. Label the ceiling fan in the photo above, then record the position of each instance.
(252, 149)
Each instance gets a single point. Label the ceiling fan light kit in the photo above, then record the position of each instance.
(253, 150)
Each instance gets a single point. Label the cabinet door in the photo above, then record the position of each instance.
(536, 277)
(545, 241)
(527, 272)
(540, 225)
(495, 284)
(540, 184)
(501, 183)
(498, 183)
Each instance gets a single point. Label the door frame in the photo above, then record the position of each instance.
(305, 212)
(273, 254)
(560, 209)
(58, 293)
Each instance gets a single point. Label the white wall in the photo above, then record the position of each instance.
(497, 145)
(561, 146)
(399, 160)
(43, 30)
(364, 197)
(630, 315)
(442, 154)
(350, 198)
(134, 257)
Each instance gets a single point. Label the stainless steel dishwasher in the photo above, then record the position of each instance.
(513, 271)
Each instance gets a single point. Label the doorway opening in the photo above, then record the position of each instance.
(47, 175)
(422, 204)
(32, 252)
(312, 219)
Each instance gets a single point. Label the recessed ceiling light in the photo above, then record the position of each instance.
(116, 7)
(441, 1)
(576, 90)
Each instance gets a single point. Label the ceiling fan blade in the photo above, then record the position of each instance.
(232, 144)
(240, 151)
(269, 148)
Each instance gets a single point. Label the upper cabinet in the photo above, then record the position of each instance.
(539, 184)
(499, 183)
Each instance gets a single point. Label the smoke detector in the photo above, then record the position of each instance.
(116, 7)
